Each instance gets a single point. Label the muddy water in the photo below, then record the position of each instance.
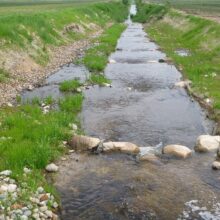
(142, 107)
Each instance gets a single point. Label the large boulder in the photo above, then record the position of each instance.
(206, 143)
(124, 147)
(83, 143)
(216, 165)
(177, 151)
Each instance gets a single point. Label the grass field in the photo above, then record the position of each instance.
(34, 29)
(28, 6)
(196, 6)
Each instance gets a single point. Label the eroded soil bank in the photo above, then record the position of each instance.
(145, 108)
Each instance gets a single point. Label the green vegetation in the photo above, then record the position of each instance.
(96, 58)
(146, 12)
(3, 75)
(71, 103)
(70, 85)
(30, 136)
(37, 30)
(201, 38)
(198, 6)
(98, 79)
(32, 139)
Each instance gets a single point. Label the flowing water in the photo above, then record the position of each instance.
(145, 108)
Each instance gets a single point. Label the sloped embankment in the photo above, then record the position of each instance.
(32, 45)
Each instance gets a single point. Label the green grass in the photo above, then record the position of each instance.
(70, 85)
(96, 57)
(198, 6)
(33, 139)
(146, 12)
(98, 79)
(36, 31)
(3, 75)
(201, 38)
(71, 103)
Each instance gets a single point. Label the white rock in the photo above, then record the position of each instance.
(43, 208)
(81, 142)
(26, 170)
(42, 215)
(55, 205)
(73, 126)
(12, 188)
(6, 173)
(216, 165)
(27, 213)
(124, 147)
(23, 217)
(34, 200)
(208, 101)
(79, 90)
(65, 142)
(40, 189)
(182, 84)
(177, 150)
(206, 143)
(106, 84)
(52, 167)
(112, 61)
(49, 214)
(3, 188)
(9, 104)
(30, 88)
(36, 216)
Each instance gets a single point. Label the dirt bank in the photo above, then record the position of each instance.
(25, 73)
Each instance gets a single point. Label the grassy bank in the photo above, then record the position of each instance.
(200, 37)
(211, 7)
(96, 58)
(35, 31)
(31, 135)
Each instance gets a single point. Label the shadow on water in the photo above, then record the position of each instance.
(142, 107)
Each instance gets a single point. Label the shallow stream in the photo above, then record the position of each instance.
(145, 108)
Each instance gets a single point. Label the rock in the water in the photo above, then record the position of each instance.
(177, 151)
(216, 165)
(124, 147)
(183, 84)
(80, 142)
(52, 167)
(206, 143)
(161, 61)
(107, 85)
(112, 61)
(149, 158)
